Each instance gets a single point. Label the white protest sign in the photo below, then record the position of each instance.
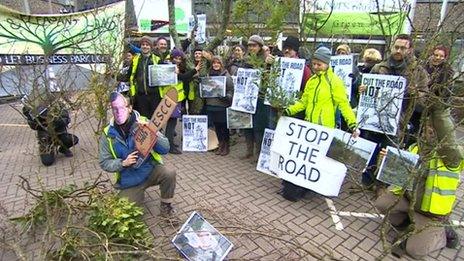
(291, 75)
(298, 156)
(195, 133)
(162, 75)
(380, 104)
(343, 66)
(265, 154)
(246, 90)
(200, 33)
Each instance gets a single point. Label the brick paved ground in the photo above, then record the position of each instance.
(240, 201)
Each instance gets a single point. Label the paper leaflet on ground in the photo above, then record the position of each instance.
(246, 90)
(380, 104)
(238, 119)
(355, 153)
(195, 133)
(146, 134)
(343, 66)
(396, 167)
(198, 240)
(162, 75)
(298, 156)
(290, 76)
(265, 154)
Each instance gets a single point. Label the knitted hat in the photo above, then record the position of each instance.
(343, 47)
(177, 53)
(322, 54)
(146, 39)
(256, 39)
(291, 42)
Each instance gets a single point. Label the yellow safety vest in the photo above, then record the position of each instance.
(440, 186)
(135, 61)
(180, 91)
(156, 157)
(191, 93)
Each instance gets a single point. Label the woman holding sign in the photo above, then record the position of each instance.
(324, 93)
(216, 106)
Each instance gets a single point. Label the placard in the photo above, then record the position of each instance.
(265, 153)
(200, 33)
(380, 104)
(162, 75)
(195, 133)
(396, 167)
(343, 66)
(246, 90)
(213, 87)
(238, 119)
(198, 240)
(290, 76)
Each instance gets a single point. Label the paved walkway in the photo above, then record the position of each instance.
(241, 202)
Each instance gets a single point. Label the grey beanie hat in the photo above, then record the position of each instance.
(322, 54)
(256, 39)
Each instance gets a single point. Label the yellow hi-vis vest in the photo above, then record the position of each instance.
(135, 62)
(191, 93)
(440, 186)
(156, 157)
(180, 91)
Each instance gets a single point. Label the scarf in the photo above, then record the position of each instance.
(125, 128)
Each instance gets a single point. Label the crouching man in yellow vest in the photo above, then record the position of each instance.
(118, 154)
(435, 198)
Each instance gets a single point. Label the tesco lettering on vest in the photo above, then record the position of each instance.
(298, 155)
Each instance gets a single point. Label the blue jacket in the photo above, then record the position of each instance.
(128, 176)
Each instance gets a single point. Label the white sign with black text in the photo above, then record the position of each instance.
(265, 154)
(195, 133)
(343, 66)
(290, 76)
(246, 90)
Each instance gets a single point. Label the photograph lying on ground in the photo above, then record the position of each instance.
(198, 240)
(239, 120)
(213, 87)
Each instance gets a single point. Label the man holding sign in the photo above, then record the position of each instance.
(118, 153)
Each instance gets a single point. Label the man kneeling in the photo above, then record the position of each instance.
(118, 154)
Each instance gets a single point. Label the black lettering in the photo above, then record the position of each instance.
(290, 128)
(324, 136)
(317, 173)
(291, 148)
(303, 152)
(290, 168)
(313, 138)
(281, 161)
(313, 154)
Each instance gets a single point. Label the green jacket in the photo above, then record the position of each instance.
(323, 94)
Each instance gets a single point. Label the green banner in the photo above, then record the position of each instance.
(87, 36)
(386, 24)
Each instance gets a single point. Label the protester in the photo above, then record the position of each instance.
(161, 50)
(201, 59)
(343, 49)
(236, 59)
(323, 94)
(435, 195)
(291, 47)
(441, 92)
(118, 154)
(216, 107)
(401, 62)
(49, 117)
(123, 87)
(256, 59)
(371, 57)
(145, 98)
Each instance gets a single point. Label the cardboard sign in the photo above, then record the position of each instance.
(146, 134)
(298, 155)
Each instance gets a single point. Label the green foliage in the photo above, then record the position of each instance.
(277, 96)
(120, 221)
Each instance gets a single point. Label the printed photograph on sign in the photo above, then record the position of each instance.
(343, 66)
(265, 154)
(213, 87)
(194, 133)
(246, 90)
(162, 75)
(198, 240)
(239, 120)
(354, 153)
(200, 33)
(380, 104)
(396, 167)
(290, 76)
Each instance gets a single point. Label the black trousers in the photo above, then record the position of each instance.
(170, 130)
(48, 145)
(146, 104)
(222, 131)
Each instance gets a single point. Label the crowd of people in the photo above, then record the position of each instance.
(425, 113)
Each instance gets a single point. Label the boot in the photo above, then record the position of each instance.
(220, 148)
(249, 151)
(225, 149)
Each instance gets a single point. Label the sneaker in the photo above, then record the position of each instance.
(174, 150)
(67, 152)
(168, 211)
(452, 237)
